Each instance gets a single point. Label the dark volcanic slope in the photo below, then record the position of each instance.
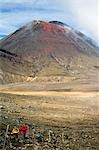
(42, 49)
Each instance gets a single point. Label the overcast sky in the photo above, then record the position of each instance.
(82, 15)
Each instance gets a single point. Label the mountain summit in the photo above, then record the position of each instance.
(43, 49)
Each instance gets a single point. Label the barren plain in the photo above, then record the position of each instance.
(72, 112)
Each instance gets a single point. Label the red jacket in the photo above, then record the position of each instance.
(23, 129)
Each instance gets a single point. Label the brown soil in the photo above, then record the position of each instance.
(73, 113)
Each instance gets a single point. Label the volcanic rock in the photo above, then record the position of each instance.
(42, 49)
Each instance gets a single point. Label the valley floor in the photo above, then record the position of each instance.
(73, 115)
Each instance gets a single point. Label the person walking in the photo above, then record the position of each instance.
(15, 132)
(23, 130)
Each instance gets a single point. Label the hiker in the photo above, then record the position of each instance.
(15, 132)
(39, 137)
(23, 129)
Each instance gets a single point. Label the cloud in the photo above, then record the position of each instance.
(15, 1)
(84, 14)
(80, 14)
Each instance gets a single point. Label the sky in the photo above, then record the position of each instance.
(83, 15)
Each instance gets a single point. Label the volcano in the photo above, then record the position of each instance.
(47, 49)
